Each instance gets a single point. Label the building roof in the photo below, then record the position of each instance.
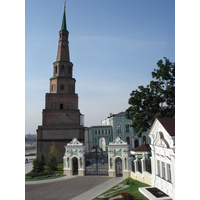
(168, 124)
(121, 114)
(142, 148)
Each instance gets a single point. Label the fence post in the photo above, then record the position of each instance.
(143, 163)
(136, 163)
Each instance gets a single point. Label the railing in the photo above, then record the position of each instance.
(139, 166)
(133, 166)
(148, 165)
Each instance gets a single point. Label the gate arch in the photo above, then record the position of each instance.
(118, 149)
(102, 143)
(118, 166)
(74, 165)
(74, 159)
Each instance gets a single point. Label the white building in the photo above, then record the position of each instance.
(162, 134)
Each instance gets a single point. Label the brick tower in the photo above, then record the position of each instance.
(61, 116)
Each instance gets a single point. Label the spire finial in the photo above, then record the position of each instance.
(65, 4)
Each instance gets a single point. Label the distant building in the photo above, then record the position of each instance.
(98, 135)
(122, 128)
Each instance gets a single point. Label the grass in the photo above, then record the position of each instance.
(47, 174)
(132, 189)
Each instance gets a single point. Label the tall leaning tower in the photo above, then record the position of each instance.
(61, 116)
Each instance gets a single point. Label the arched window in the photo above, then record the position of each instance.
(136, 143)
(127, 127)
(128, 140)
(61, 106)
(144, 139)
(62, 69)
(62, 87)
(119, 128)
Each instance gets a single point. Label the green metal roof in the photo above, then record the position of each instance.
(64, 26)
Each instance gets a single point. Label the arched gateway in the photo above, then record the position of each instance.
(118, 154)
(74, 159)
(114, 163)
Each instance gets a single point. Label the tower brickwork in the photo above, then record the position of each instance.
(61, 116)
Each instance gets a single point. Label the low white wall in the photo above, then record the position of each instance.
(144, 178)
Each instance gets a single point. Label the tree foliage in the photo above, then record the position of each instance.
(155, 100)
(39, 163)
(53, 157)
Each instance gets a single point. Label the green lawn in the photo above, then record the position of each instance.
(132, 189)
(46, 174)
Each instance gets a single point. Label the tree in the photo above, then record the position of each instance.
(39, 163)
(53, 157)
(155, 100)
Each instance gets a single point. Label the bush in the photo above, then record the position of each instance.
(33, 174)
(39, 163)
(129, 181)
(127, 196)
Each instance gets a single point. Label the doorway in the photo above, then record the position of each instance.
(118, 167)
(75, 166)
(102, 143)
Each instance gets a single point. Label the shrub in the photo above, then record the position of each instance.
(53, 157)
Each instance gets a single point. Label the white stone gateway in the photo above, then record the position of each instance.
(118, 149)
(74, 159)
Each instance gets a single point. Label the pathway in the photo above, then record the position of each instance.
(66, 188)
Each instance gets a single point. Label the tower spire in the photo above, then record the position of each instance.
(64, 26)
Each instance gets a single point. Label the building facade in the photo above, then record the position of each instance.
(122, 128)
(61, 117)
(98, 135)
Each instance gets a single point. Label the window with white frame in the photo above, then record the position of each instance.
(119, 128)
(169, 172)
(127, 128)
(163, 170)
(158, 167)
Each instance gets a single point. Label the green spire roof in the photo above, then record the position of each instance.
(64, 26)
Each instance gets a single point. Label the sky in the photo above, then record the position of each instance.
(114, 46)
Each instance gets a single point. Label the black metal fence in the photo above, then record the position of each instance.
(96, 163)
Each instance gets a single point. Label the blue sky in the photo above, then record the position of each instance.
(114, 46)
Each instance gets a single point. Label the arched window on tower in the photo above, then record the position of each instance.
(62, 69)
(62, 87)
(55, 69)
(61, 106)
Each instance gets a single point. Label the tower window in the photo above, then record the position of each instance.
(55, 69)
(62, 87)
(61, 106)
(62, 69)
(69, 71)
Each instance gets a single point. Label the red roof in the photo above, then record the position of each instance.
(168, 124)
(144, 147)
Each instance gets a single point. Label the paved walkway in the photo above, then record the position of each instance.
(69, 187)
